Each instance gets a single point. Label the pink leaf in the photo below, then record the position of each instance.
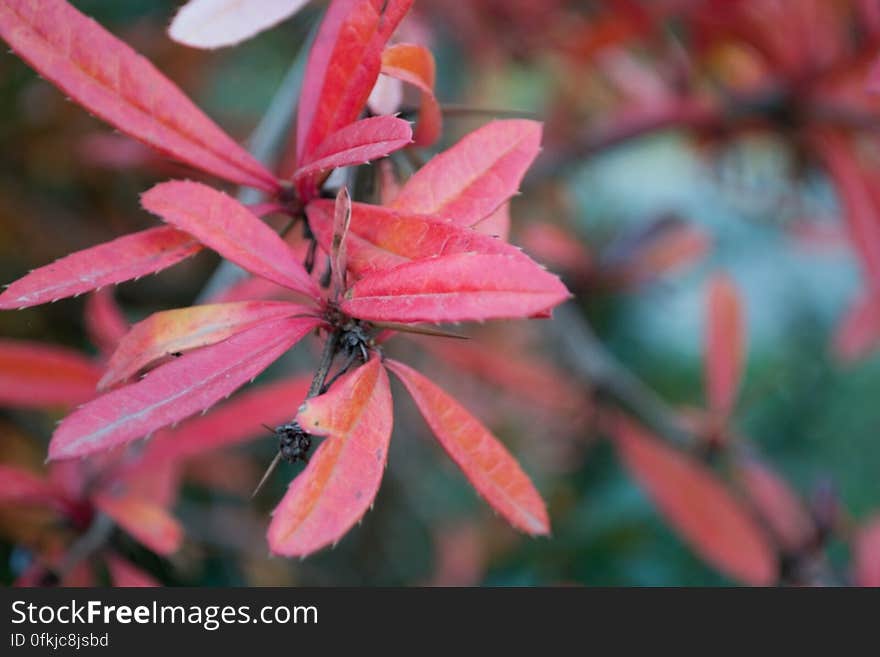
(171, 332)
(105, 323)
(122, 259)
(33, 375)
(706, 515)
(111, 80)
(777, 504)
(22, 487)
(381, 238)
(124, 574)
(226, 226)
(858, 205)
(342, 478)
(218, 23)
(859, 331)
(357, 143)
(496, 224)
(485, 462)
(233, 422)
(462, 287)
(527, 377)
(469, 181)
(176, 390)
(149, 523)
(725, 337)
(866, 554)
(343, 67)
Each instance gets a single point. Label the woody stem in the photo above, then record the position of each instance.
(327, 356)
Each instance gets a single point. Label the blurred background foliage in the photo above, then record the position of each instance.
(815, 420)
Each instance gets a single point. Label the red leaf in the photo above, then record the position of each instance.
(661, 248)
(218, 23)
(177, 331)
(149, 523)
(226, 226)
(725, 337)
(469, 181)
(175, 390)
(343, 67)
(706, 515)
(125, 574)
(415, 64)
(112, 81)
(454, 288)
(122, 259)
(22, 487)
(866, 554)
(33, 375)
(777, 504)
(859, 331)
(342, 478)
(357, 143)
(858, 205)
(529, 378)
(485, 462)
(381, 238)
(873, 84)
(233, 422)
(105, 323)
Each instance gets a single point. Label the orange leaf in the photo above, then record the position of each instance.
(147, 522)
(414, 64)
(699, 506)
(183, 329)
(485, 462)
(342, 479)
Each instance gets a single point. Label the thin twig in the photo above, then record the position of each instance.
(87, 544)
(594, 366)
(327, 357)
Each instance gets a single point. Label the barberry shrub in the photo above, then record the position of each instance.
(366, 272)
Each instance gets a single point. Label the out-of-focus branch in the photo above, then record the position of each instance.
(595, 367)
(606, 134)
(263, 145)
(731, 112)
(88, 543)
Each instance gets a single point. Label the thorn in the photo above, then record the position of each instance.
(269, 471)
